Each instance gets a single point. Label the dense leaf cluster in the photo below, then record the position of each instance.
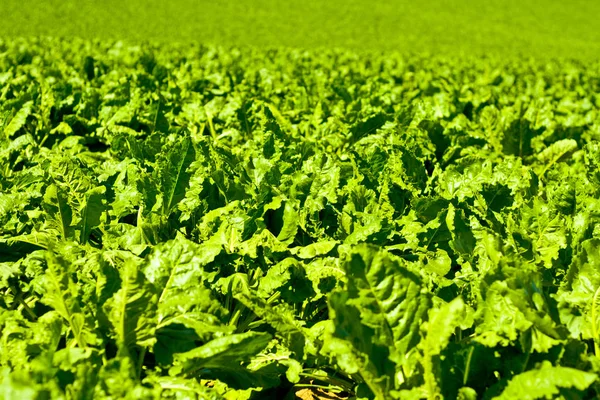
(197, 222)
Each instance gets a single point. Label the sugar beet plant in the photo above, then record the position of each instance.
(206, 223)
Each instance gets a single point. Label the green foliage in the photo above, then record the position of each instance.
(540, 28)
(195, 222)
(547, 382)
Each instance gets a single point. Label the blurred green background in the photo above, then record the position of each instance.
(541, 28)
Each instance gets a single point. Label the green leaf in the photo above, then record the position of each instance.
(132, 309)
(18, 121)
(314, 249)
(576, 293)
(546, 230)
(225, 352)
(356, 347)
(62, 294)
(179, 387)
(367, 126)
(92, 211)
(283, 319)
(517, 138)
(174, 173)
(377, 318)
(388, 295)
(117, 380)
(59, 210)
(441, 326)
(175, 270)
(546, 382)
(555, 152)
(287, 279)
(463, 241)
(442, 323)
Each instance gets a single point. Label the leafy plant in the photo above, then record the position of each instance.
(196, 222)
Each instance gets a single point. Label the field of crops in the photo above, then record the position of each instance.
(198, 222)
(539, 28)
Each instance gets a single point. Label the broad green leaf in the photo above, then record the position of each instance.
(443, 321)
(356, 348)
(60, 210)
(174, 173)
(18, 121)
(314, 249)
(576, 293)
(377, 318)
(92, 211)
(546, 382)
(463, 241)
(175, 269)
(517, 138)
(221, 353)
(287, 279)
(132, 309)
(281, 317)
(555, 152)
(388, 295)
(547, 231)
(62, 294)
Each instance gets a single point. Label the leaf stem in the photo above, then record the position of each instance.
(236, 316)
(333, 389)
(19, 297)
(595, 322)
(140, 363)
(468, 366)
(331, 380)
